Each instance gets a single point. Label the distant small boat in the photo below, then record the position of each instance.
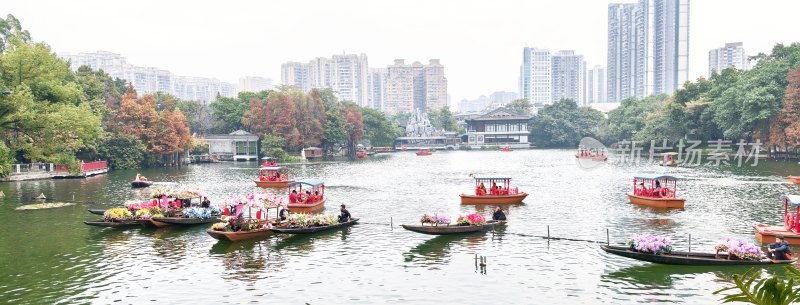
(688, 258)
(97, 211)
(313, 186)
(665, 197)
(424, 152)
(790, 229)
(794, 179)
(669, 159)
(452, 229)
(279, 174)
(141, 184)
(361, 154)
(506, 148)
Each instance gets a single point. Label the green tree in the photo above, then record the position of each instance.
(563, 124)
(10, 28)
(443, 119)
(521, 106)
(228, 113)
(630, 117)
(272, 146)
(379, 130)
(122, 151)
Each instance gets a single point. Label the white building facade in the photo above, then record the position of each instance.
(149, 80)
(346, 74)
(730, 56)
(254, 84)
(568, 77)
(415, 86)
(596, 85)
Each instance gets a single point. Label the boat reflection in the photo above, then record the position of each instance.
(248, 259)
(304, 243)
(437, 250)
(660, 275)
(486, 210)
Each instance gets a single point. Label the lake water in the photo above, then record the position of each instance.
(50, 256)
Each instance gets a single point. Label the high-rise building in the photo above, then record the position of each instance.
(596, 85)
(546, 77)
(730, 56)
(295, 74)
(345, 74)
(377, 87)
(535, 78)
(254, 84)
(648, 48)
(503, 96)
(148, 80)
(415, 86)
(568, 73)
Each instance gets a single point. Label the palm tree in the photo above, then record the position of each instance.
(766, 291)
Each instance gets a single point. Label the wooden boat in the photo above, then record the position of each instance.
(112, 224)
(506, 148)
(593, 154)
(424, 152)
(688, 258)
(141, 184)
(482, 196)
(97, 211)
(669, 159)
(291, 230)
(361, 154)
(664, 197)
(185, 221)
(452, 229)
(242, 235)
(790, 229)
(794, 179)
(315, 186)
(273, 176)
(150, 223)
(269, 162)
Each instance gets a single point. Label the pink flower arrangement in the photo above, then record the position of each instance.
(742, 249)
(470, 219)
(651, 243)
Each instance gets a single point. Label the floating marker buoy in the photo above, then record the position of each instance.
(2, 194)
(41, 196)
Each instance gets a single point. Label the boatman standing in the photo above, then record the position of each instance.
(345, 215)
(779, 250)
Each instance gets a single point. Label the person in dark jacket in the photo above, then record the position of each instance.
(779, 250)
(345, 215)
(498, 214)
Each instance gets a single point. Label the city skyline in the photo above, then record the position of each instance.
(504, 26)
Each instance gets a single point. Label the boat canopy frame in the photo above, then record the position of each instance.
(664, 182)
(791, 221)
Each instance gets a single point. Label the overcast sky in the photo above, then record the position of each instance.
(479, 42)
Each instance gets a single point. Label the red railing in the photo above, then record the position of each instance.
(93, 166)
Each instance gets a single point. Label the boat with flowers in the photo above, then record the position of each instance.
(192, 216)
(309, 195)
(658, 249)
(794, 179)
(437, 224)
(273, 176)
(592, 154)
(424, 152)
(114, 218)
(662, 191)
(791, 223)
(302, 223)
(506, 148)
(237, 227)
(495, 194)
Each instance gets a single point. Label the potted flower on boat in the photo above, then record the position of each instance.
(117, 215)
(650, 244)
(434, 219)
(739, 249)
(470, 219)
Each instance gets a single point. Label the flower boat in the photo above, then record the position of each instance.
(593, 154)
(669, 159)
(273, 176)
(791, 223)
(656, 249)
(495, 195)
(663, 197)
(794, 179)
(237, 227)
(440, 225)
(302, 223)
(424, 152)
(193, 216)
(114, 218)
(303, 202)
(506, 148)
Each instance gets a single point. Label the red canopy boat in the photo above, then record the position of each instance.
(594, 154)
(273, 176)
(493, 195)
(791, 223)
(506, 148)
(794, 179)
(269, 162)
(656, 191)
(302, 202)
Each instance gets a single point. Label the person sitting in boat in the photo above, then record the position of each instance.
(498, 214)
(293, 196)
(205, 203)
(262, 178)
(481, 190)
(310, 197)
(317, 196)
(657, 189)
(345, 214)
(642, 191)
(283, 214)
(779, 250)
(493, 189)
